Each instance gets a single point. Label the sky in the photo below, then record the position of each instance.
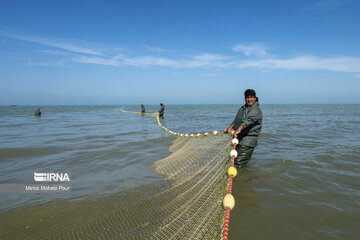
(179, 52)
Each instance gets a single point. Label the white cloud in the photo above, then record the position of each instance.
(54, 43)
(253, 49)
(339, 64)
(198, 61)
(205, 60)
(69, 47)
(211, 57)
(84, 52)
(144, 61)
(57, 64)
(357, 75)
(97, 60)
(120, 60)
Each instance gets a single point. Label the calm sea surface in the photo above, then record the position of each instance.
(303, 181)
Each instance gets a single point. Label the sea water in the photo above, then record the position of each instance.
(303, 181)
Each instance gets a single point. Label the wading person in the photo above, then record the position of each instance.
(37, 112)
(247, 126)
(142, 109)
(161, 110)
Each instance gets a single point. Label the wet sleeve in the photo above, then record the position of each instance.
(252, 117)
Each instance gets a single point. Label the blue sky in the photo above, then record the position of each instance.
(146, 52)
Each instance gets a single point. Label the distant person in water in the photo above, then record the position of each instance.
(142, 109)
(247, 126)
(37, 112)
(161, 110)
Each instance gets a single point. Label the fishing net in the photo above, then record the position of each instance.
(187, 204)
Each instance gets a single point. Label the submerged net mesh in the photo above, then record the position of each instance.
(198, 171)
(186, 205)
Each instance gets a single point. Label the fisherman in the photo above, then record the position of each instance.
(142, 109)
(37, 112)
(247, 126)
(161, 111)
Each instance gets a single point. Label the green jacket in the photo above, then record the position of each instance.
(250, 117)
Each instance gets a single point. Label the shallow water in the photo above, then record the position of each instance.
(302, 182)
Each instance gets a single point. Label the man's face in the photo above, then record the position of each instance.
(250, 100)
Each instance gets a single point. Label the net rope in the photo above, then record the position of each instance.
(187, 204)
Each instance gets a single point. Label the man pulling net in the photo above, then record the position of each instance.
(247, 127)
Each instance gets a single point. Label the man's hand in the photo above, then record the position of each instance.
(229, 129)
(238, 131)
